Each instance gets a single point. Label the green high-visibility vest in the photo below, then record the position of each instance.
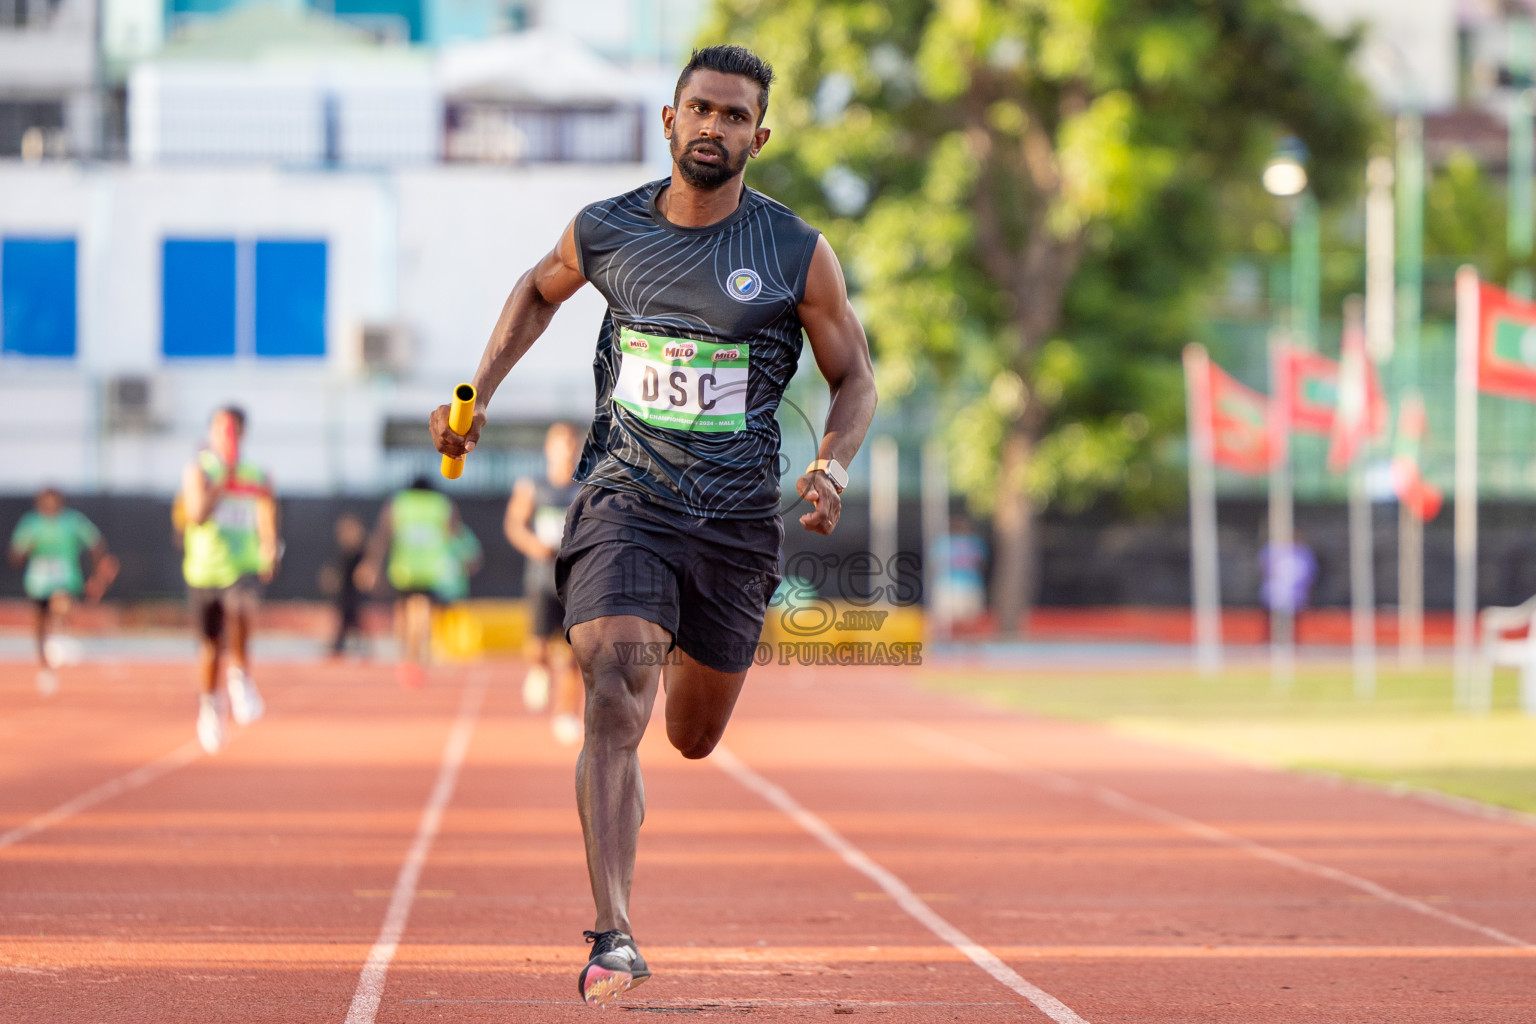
(421, 544)
(226, 545)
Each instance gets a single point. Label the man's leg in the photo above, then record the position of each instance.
(238, 634)
(209, 615)
(210, 624)
(609, 794)
(700, 700)
(240, 614)
(40, 631)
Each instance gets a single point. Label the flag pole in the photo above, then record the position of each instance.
(935, 505)
(1205, 580)
(1362, 569)
(1282, 620)
(1410, 588)
(1409, 291)
(1466, 483)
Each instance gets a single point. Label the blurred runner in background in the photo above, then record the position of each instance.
(49, 541)
(534, 524)
(415, 532)
(230, 549)
(463, 562)
(338, 580)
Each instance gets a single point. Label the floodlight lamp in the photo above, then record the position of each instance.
(1285, 176)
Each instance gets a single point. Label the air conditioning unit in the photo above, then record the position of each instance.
(382, 349)
(132, 404)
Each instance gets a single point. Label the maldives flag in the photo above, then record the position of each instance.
(1362, 409)
(1239, 424)
(1310, 383)
(1506, 344)
(1418, 495)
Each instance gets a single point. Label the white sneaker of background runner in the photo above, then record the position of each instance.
(536, 688)
(210, 723)
(60, 650)
(245, 704)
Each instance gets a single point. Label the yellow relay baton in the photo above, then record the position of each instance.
(461, 415)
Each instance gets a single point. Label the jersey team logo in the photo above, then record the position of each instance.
(744, 285)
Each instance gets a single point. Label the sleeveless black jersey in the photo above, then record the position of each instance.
(700, 339)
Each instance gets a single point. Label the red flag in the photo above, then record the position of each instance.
(1506, 344)
(1421, 497)
(1239, 424)
(1311, 386)
(1362, 409)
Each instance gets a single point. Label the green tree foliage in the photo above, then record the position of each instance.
(1024, 193)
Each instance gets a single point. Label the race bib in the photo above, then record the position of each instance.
(237, 514)
(549, 526)
(681, 384)
(49, 573)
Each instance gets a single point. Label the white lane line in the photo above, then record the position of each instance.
(140, 776)
(903, 897)
(984, 757)
(370, 984)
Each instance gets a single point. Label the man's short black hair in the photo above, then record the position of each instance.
(729, 60)
(235, 413)
(420, 482)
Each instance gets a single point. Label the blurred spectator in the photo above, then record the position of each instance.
(1288, 575)
(338, 580)
(961, 580)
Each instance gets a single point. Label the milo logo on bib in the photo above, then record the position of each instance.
(682, 384)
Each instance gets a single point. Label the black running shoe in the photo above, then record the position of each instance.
(615, 967)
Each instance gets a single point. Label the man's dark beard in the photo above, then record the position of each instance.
(706, 176)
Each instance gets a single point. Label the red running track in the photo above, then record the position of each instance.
(864, 848)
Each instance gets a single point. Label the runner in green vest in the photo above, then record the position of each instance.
(416, 532)
(49, 541)
(230, 548)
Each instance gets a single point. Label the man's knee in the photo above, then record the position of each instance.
(616, 705)
(693, 745)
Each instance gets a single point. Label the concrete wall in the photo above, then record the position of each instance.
(435, 249)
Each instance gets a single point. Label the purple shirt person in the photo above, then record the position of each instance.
(1288, 576)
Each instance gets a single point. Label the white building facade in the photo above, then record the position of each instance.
(193, 287)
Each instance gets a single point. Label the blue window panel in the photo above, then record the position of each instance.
(290, 299)
(197, 312)
(37, 296)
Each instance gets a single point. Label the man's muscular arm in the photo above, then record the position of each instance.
(527, 311)
(842, 356)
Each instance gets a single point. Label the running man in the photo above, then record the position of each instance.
(534, 523)
(49, 541)
(416, 531)
(230, 548)
(673, 543)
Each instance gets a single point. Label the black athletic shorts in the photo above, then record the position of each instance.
(211, 605)
(705, 581)
(548, 614)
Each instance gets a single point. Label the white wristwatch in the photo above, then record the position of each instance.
(834, 470)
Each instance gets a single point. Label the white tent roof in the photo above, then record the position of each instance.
(536, 66)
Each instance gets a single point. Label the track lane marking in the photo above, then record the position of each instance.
(985, 757)
(141, 776)
(370, 982)
(903, 896)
